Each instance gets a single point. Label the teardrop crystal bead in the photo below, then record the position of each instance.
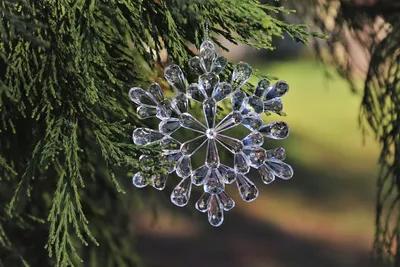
(241, 74)
(203, 203)
(222, 91)
(215, 211)
(170, 144)
(184, 167)
(171, 160)
(238, 100)
(228, 174)
(209, 82)
(255, 105)
(230, 143)
(196, 65)
(212, 157)
(139, 180)
(169, 126)
(240, 163)
(227, 202)
(207, 54)
(254, 139)
(231, 120)
(140, 97)
(156, 92)
(190, 147)
(256, 156)
(218, 64)
(180, 101)
(145, 136)
(273, 105)
(275, 130)
(266, 174)
(252, 122)
(280, 169)
(214, 184)
(247, 190)
(159, 181)
(146, 161)
(277, 153)
(209, 110)
(165, 109)
(181, 194)
(262, 88)
(195, 92)
(145, 112)
(279, 89)
(174, 75)
(189, 122)
(200, 175)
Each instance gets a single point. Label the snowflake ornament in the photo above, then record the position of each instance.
(248, 152)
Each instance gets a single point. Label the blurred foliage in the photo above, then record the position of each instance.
(359, 30)
(65, 123)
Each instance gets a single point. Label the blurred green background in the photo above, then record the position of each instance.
(323, 216)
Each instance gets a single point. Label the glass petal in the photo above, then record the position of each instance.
(252, 122)
(226, 201)
(219, 64)
(214, 184)
(169, 126)
(228, 174)
(209, 81)
(273, 105)
(145, 136)
(277, 153)
(169, 143)
(210, 109)
(140, 97)
(255, 104)
(231, 120)
(181, 193)
(280, 169)
(256, 156)
(165, 110)
(254, 139)
(159, 181)
(248, 191)
(190, 147)
(189, 122)
(200, 175)
(279, 89)
(195, 92)
(156, 92)
(171, 160)
(262, 88)
(212, 157)
(196, 65)
(241, 74)
(215, 211)
(240, 163)
(145, 112)
(146, 161)
(203, 203)
(174, 75)
(139, 180)
(222, 91)
(207, 54)
(275, 130)
(266, 174)
(230, 143)
(238, 100)
(184, 167)
(180, 101)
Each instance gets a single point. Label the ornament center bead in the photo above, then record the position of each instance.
(211, 133)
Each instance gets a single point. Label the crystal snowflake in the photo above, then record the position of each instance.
(248, 152)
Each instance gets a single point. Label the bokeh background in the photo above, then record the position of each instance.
(323, 216)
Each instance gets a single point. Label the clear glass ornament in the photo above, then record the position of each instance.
(247, 153)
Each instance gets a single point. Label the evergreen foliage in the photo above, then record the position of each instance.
(65, 124)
